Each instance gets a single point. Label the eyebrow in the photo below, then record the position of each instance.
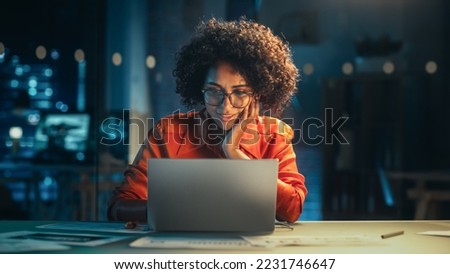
(236, 86)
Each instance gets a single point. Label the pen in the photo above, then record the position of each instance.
(392, 234)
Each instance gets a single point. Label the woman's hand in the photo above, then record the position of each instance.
(231, 143)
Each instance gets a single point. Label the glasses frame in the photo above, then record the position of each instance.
(227, 95)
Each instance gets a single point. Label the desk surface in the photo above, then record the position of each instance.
(408, 243)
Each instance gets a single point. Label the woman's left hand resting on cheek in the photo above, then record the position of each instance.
(231, 142)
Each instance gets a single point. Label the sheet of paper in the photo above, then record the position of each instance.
(273, 241)
(445, 233)
(62, 238)
(191, 242)
(97, 226)
(19, 245)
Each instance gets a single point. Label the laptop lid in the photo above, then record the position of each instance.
(212, 195)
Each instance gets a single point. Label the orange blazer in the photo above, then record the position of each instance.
(194, 135)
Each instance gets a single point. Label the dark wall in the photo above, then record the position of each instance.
(421, 28)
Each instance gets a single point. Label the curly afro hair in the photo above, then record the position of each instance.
(261, 57)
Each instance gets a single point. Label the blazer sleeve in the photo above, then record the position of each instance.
(291, 188)
(129, 201)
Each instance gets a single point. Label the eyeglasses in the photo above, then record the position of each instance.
(215, 97)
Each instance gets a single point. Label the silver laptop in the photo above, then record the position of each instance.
(212, 195)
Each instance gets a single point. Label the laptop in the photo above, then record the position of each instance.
(212, 195)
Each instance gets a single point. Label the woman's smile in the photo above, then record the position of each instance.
(226, 117)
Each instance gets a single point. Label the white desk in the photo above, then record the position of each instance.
(408, 243)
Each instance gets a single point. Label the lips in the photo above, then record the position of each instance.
(226, 117)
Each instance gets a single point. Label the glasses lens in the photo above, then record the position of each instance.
(239, 99)
(213, 97)
(216, 97)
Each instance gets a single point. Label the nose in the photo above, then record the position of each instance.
(226, 104)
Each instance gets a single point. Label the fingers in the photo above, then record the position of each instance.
(255, 108)
(245, 113)
(231, 144)
(251, 111)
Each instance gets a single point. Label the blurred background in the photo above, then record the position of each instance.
(82, 81)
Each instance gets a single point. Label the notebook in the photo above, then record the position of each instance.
(212, 195)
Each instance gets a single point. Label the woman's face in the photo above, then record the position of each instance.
(224, 78)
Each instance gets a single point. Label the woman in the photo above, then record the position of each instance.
(233, 69)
